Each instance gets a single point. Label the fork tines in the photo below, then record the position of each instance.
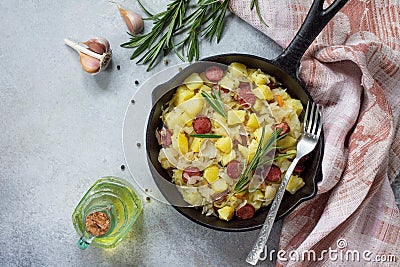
(312, 119)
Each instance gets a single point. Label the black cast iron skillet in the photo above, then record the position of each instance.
(285, 68)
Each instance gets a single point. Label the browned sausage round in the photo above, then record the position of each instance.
(190, 172)
(243, 140)
(284, 126)
(245, 212)
(214, 73)
(246, 97)
(244, 85)
(202, 125)
(234, 169)
(164, 137)
(274, 174)
(271, 85)
(224, 90)
(300, 167)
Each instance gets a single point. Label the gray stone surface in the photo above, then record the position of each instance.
(60, 130)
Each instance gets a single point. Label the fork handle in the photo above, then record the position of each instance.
(258, 247)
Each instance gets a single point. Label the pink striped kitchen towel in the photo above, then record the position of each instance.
(352, 69)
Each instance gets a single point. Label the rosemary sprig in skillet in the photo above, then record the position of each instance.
(205, 135)
(215, 101)
(262, 149)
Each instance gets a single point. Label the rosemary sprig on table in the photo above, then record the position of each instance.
(217, 16)
(206, 21)
(205, 135)
(262, 149)
(211, 12)
(254, 3)
(215, 101)
(170, 21)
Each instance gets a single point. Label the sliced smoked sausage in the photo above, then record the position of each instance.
(214, 73)
(284, 126)
(164, 136)
(245, 212)
(234, 169)
(218, 87)
(244, 85)
(274, 174)
(190, 172)
(246, 97)
(301, 165)
(202, 125)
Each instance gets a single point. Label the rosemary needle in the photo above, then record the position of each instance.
(215, 101)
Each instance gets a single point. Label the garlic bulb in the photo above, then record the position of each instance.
(132, 19)
(95, 57)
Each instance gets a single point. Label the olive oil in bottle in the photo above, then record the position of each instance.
(106, 213)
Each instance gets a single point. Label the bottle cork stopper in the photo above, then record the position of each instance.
(97, 223)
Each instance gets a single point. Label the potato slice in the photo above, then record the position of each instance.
(226, 213)
(224, 144)
(267, 133)
(183, 143)
(286, 142)
(219, 185)
(192, 196)
(196, 144)
(253, 121)
(259, 105)
(194, 81)
(244, 151)
(182, 94)
(176, 118)
(177, 176)
(192, 106)
(295, 183)
(252, 149)
(260, 78)
(211, 174)
(263, 92)
(237, 69)
(270, 192)
(294, 104)
(236, 116)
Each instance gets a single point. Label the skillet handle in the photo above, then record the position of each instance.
(317, 18)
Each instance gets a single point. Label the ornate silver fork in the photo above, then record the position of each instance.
(308, 141)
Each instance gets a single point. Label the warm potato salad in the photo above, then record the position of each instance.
(206, 147)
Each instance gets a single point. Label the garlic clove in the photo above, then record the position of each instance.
(99, 45)
(133, 20)
(95, 47)
(89, 64)
(95, 57)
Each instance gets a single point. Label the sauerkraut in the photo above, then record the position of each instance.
(207, 151)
